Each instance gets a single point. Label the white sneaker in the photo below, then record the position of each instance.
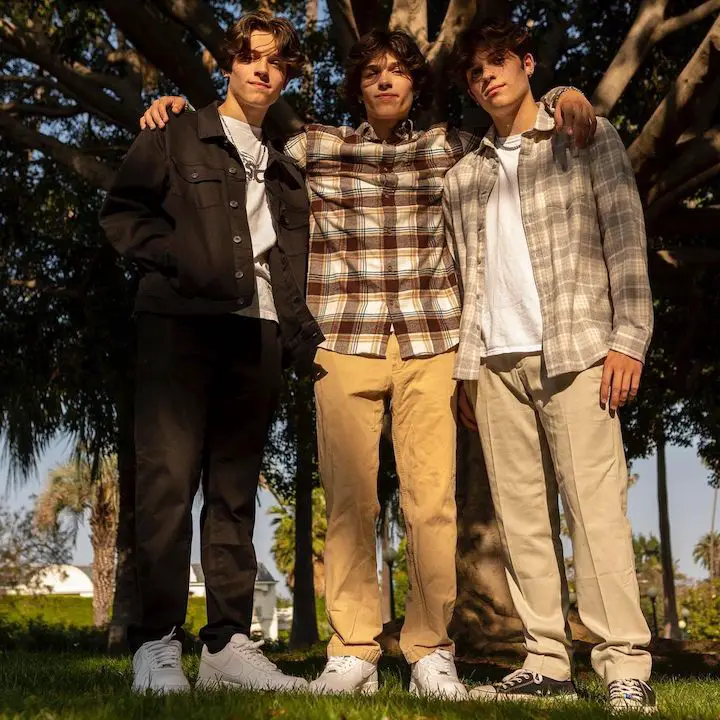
(241, 665)
(157, 667)
(346, 674)
(435, 676)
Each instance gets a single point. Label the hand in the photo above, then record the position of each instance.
(465, 409)
(156, 115)
(620, 379)
(575, 115)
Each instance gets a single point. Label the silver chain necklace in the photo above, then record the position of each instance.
(253, 172)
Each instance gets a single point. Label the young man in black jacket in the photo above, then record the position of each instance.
(218, 223)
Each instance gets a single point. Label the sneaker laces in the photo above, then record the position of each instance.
(627, 690)
(339, 663)
(252, 654)
(164, 653)
(518, 678)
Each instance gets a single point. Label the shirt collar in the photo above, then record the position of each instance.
(402, 132)
(544, 122)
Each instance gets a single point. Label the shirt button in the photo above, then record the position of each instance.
(234, 203)
(239, 274)
(237, 239)
(232, 170)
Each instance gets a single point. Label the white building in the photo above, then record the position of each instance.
(265, 613)
(77, 580)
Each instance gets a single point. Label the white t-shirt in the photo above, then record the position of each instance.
(511, 318)
(254, 155)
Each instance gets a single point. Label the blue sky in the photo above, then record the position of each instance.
(690, 506)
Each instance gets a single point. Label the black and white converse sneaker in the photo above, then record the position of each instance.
(631, 695)
(525, 685)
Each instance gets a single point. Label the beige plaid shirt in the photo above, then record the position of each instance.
(378, 257)
(586, 235)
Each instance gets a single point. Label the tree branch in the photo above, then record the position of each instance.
(27, 80)
(51, 111)
(344, 24)
(656, 212)
(697, 155)
(648, 29)
(680, 22)
(458, 16)
(411, 16)
(198, 17)
(672, 116)
(685, 221)
(162, 44)
(94, 171)
(85, 86)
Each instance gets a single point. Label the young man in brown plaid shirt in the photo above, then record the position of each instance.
(557, 317)
(383, 287)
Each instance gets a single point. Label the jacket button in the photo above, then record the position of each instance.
(237, 239)
(241, 301)
(234, 203)
(232, 170)
(239, 274)
(194, 175)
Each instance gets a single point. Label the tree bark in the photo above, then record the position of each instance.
(672, 628)
(412, 17)
(304, 631)
(103, 572)
(485, 619)
(650, 149)
(344, 24)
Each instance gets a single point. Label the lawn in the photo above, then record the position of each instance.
(80, 685)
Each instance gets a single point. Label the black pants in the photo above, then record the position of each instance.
(206, 391)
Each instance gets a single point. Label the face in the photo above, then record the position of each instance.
(387, 89)
(499, 81)
(258, 82)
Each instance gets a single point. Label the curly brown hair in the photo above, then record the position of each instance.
(493, 35)
(379, 42)
(237, 40)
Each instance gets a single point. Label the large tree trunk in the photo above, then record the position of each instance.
(672, 628)
(125, 602)
(304, 631)
(485, 618)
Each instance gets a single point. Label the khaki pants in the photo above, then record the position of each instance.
(540, 434)
(350, 408)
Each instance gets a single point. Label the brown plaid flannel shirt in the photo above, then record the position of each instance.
(378, 257)
(586, 235)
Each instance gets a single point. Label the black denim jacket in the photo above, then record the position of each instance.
(177, 208)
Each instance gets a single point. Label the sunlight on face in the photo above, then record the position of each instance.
(499, 79)
(387, 89)
(257, 81)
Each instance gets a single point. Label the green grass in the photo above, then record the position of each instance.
(79, 686)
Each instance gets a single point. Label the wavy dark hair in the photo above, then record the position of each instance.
(493, 35)
(404, 48)
(237, 40)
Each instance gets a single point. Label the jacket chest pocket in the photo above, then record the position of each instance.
(294, 226)
(200, 184)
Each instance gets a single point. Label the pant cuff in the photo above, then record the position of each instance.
(550, 667)
(636, 670)
(412, 655)
(366, 654)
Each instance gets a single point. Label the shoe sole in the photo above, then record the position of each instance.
(645, 710)
(525, 698)
(415, 690)
(369, 687)
(210, 684)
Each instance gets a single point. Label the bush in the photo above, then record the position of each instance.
(703, 603)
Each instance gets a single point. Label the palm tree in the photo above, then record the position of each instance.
(283, 546)
(707, 553)
(73, 488)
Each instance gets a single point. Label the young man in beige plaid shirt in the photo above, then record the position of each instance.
(383, 287)
(557, 316)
